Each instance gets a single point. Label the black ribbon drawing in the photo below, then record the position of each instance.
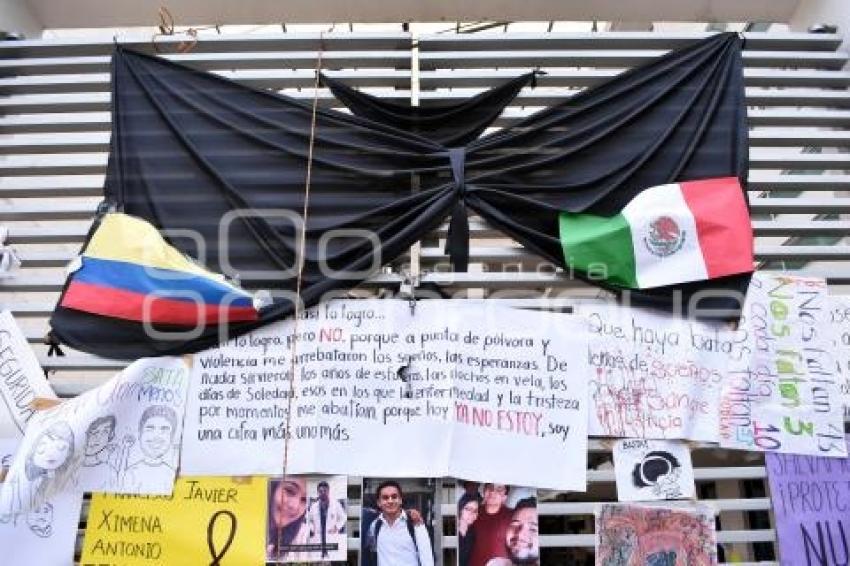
(217, 556)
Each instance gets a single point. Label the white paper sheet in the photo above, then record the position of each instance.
(121, 437)
(486, 394)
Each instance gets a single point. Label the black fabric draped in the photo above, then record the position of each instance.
(447, 123)
(189, 148)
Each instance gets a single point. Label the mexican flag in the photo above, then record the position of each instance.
(667, 234)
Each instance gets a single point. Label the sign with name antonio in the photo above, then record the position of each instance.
(205, 521)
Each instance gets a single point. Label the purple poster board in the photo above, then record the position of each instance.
(811, 506)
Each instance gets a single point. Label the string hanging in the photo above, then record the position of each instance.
(299, 275)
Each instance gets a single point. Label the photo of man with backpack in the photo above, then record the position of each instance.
(395, 533)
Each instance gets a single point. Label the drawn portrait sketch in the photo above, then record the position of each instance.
(100, 452)
(632, 535)
(649, 470)
(44, 535)
(155, 468)
(49, 463)
(121, 437)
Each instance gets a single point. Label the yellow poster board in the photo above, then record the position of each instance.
(208, 520)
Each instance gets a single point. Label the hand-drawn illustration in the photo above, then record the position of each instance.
(73, 446)
(40, 520)
(43, 535)
(8, 446)
(648, 470)
(100, 452)
(631, 535)
(157, 428)
(49, 462)
(660, 471)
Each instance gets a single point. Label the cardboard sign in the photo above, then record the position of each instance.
(653, 470)
(811, 504)
(453, 388)
(205, 521)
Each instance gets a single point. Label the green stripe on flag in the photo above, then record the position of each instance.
(599, 246)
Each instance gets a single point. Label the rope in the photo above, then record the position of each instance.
(167, 28)
(298, 304)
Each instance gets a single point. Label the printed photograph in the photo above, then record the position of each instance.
(397, 522)
(306, 520)
(497, 525)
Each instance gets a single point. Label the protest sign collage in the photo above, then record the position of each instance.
(241, 454)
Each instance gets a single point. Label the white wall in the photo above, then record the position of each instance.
(811, 12)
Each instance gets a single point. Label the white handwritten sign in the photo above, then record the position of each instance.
(377, 391)
(121, 437)
(21, 379)
(785, 395)
(655, 375)
(840, 318)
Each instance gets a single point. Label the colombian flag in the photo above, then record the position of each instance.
(130, 272)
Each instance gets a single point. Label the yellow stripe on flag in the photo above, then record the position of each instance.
(125, 238)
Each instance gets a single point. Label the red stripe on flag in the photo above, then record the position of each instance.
(723, 224)
(117, 303)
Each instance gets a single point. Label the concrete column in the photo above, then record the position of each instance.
(16, 16)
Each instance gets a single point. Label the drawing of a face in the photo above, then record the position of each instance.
(155, 439)
(290, 501)
(98, 437)
(521, 537)
(50, 451)
(40, 520)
